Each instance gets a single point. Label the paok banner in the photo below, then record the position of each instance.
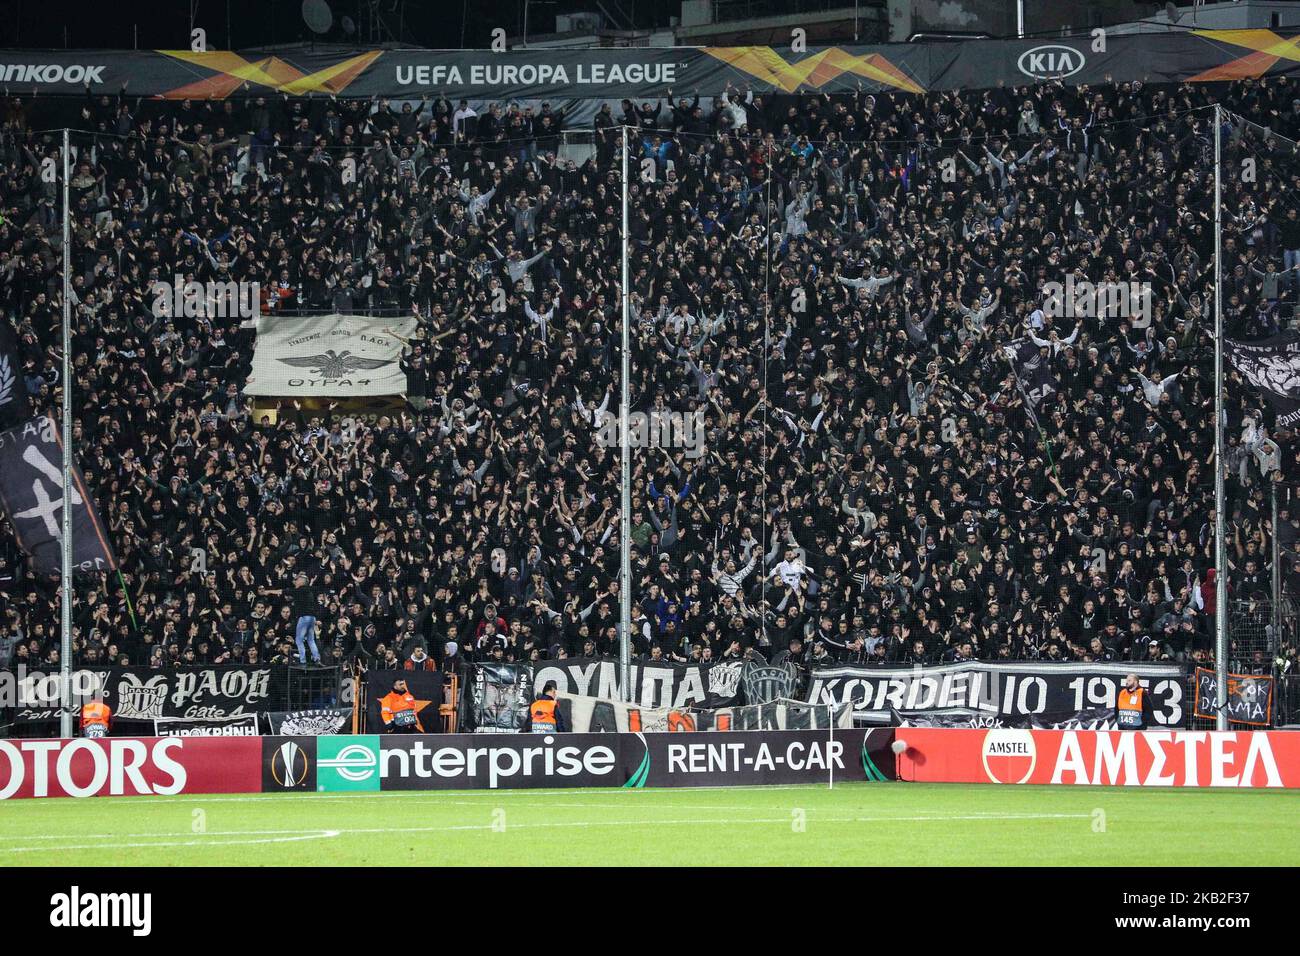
(31, 495)
(1047, 692)
(1186, 56)
(653, 685)
(1250, 697)
(141, 694)
(338, 356)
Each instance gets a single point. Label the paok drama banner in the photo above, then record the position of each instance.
(1192, 56)
(31, 494)
(1047, 692)
(1250, 697)
(331, 356)
(1273, 367)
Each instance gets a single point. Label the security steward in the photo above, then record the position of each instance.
(95, 718)
(398, 710)
(1133, 710)
(544, 714)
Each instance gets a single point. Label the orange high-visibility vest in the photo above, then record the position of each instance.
(94, 719)
(1128, 710)
(543, 714)
(398, 710)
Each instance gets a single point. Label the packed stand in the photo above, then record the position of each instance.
(852, 385)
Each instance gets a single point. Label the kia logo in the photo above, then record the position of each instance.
(1052, 62)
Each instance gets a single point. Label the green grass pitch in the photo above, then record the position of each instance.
(854, 823)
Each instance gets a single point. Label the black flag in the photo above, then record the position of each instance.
(1033, 376)
(1272, 366)
(15, 406)
(31, 492)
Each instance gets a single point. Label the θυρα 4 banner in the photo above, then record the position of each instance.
(329, 355)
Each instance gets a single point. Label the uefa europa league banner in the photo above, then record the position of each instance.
(648, 73)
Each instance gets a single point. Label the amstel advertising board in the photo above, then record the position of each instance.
(1154, 758)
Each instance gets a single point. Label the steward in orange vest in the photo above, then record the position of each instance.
(95, 717)
(544, 714)
(397, 708)
(1133, 710)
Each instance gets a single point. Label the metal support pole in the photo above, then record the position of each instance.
(1275, 557)
(625, 453)
(1220, 564)
(65, 645)
(1020, 18)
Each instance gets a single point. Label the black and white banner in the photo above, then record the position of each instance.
(599, 715)
(1033, 375)
(308, 723)
(498, 696)
(329, 355)
(1097, 718)
(1048, 692)
(143, 694)
(243, 725)
(653, 685)
(1272, 366)
(31, 493)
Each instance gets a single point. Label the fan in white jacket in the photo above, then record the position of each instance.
(1154, 391)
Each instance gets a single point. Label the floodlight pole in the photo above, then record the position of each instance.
(625, 454)
(1220, 564)
(65, 645)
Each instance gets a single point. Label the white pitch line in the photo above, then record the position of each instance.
(425, 795)
(290, 836)
(313, 835)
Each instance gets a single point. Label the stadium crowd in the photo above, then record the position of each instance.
(826, 283)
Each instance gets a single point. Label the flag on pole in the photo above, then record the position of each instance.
(31, 494)
(1273, 366)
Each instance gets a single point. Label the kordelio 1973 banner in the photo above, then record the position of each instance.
(1152, 758)
(1017, 692)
